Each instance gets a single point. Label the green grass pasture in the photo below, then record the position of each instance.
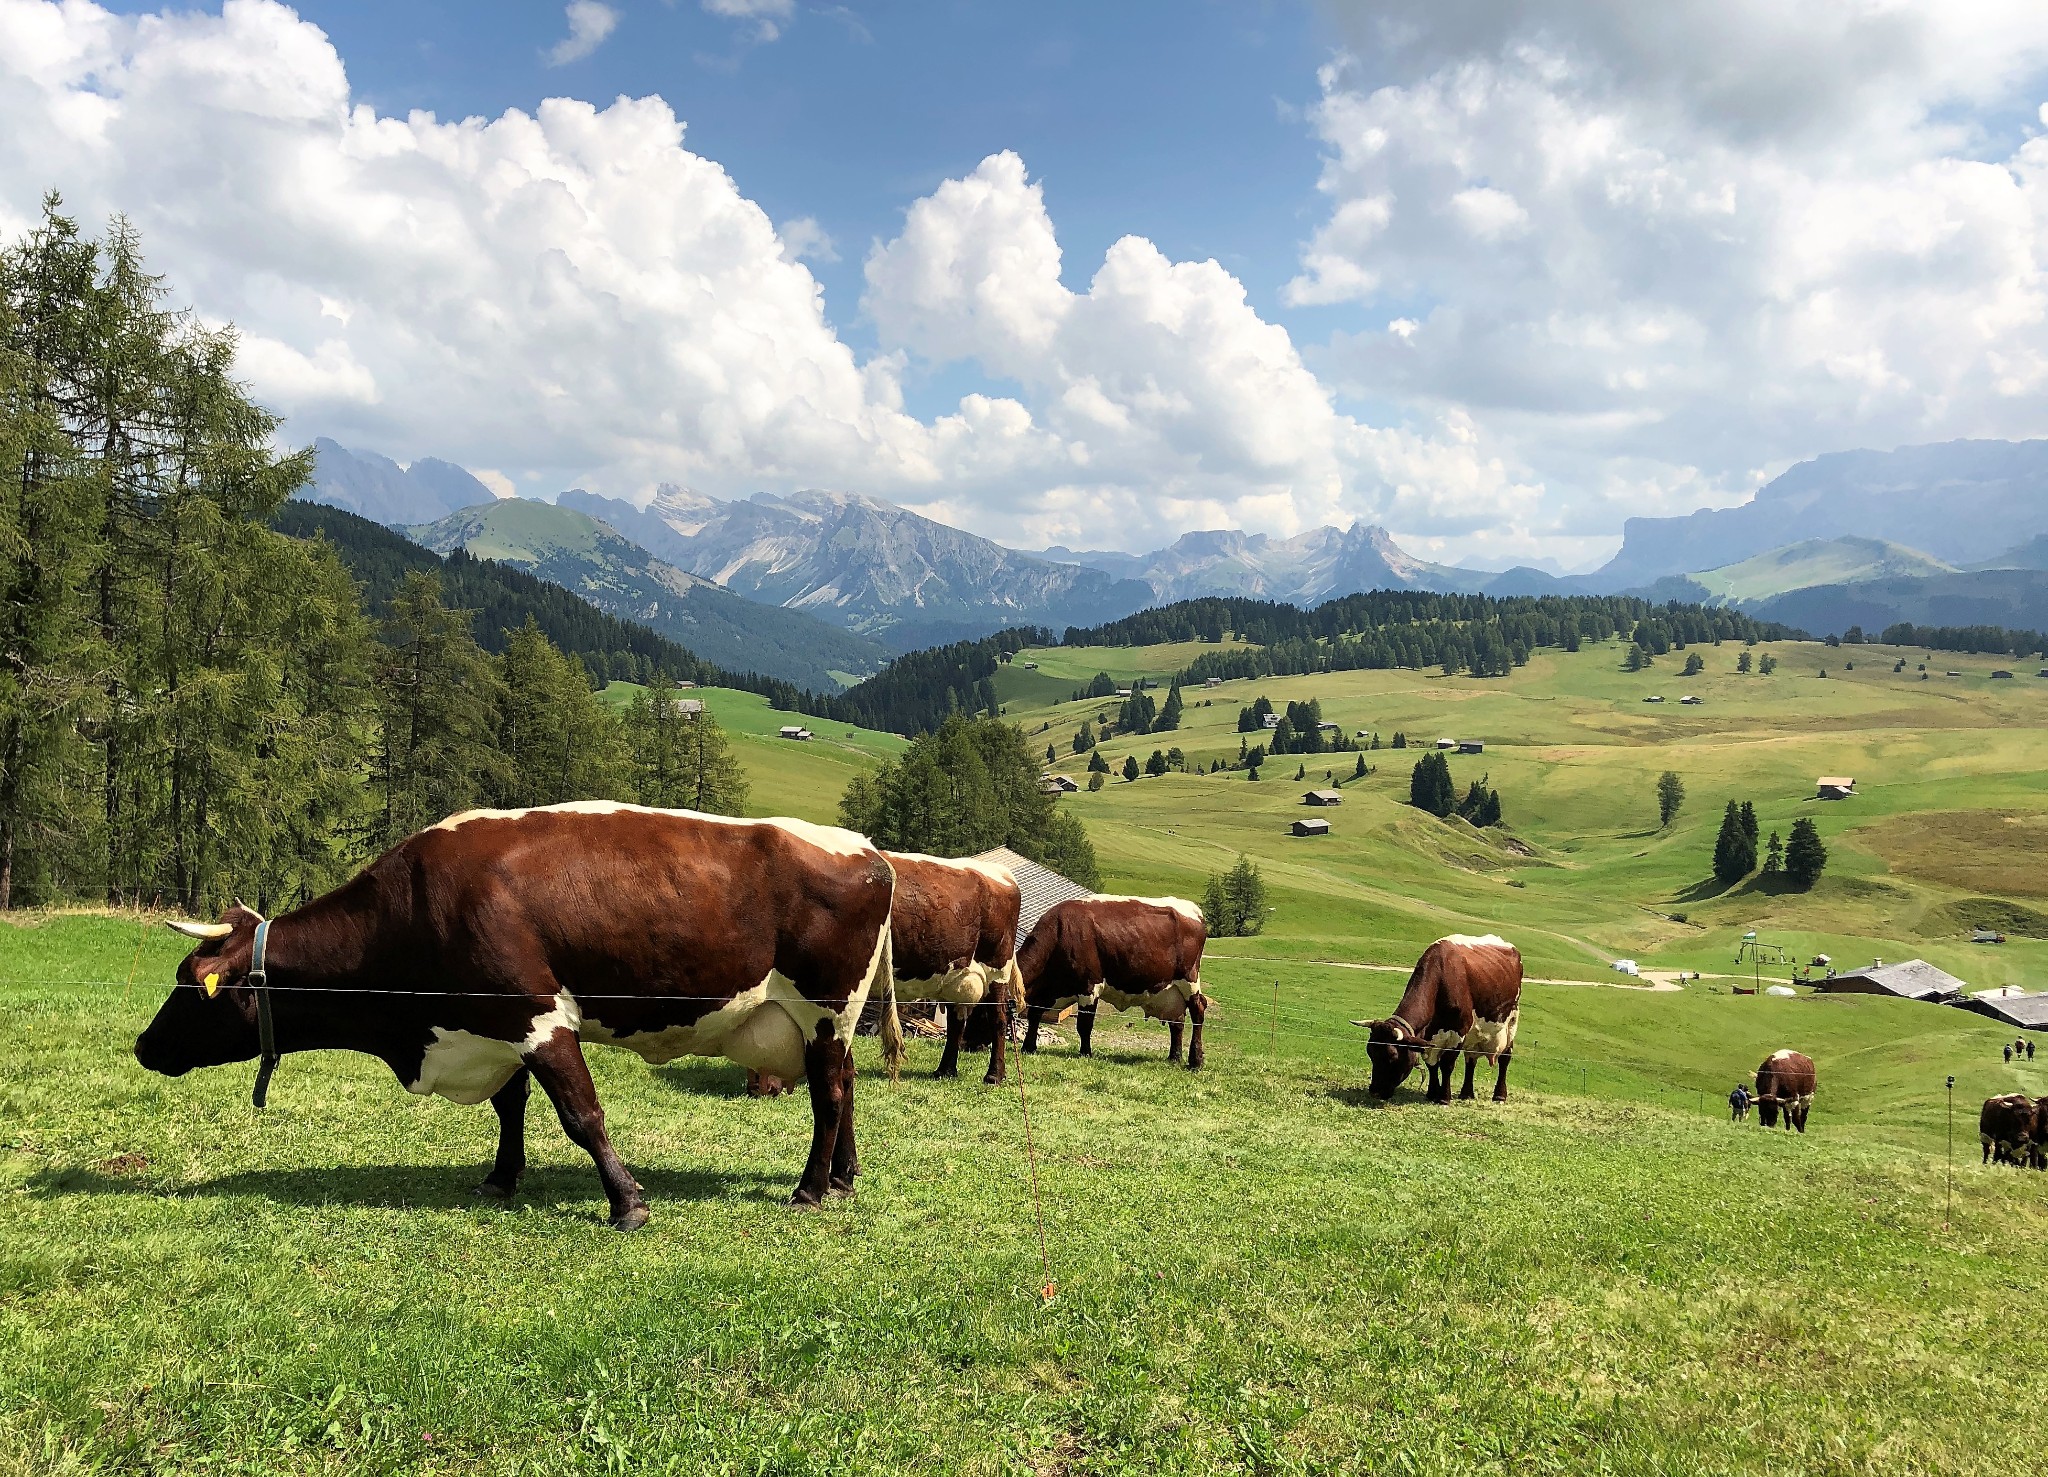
(1255, 1271)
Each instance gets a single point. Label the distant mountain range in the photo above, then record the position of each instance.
(1946, 534)
(1962, 502)
(1303, 570)
(619, 577)
(864, 564)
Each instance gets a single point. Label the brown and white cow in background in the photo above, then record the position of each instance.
(2007, 1127)
(1126, 952)
(1464, 998)
(487, 949)
(955, 941)
(1784, 1084)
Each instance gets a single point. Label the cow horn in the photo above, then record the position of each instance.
(199, 930)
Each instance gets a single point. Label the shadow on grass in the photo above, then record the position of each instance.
(705, 1077)
(1699, 892)
(422, 1187)
(1356, 1095)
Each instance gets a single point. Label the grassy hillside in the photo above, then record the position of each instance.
(1952, 774)
(1834, 561)
(1255, 1271)
(802, 779)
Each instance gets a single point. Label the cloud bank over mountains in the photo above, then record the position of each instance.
(1611, 260)
(1660, 250)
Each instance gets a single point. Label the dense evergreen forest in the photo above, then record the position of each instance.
(195, 706)
(503, 599)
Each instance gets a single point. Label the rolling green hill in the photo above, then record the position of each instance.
(1583, 874)
(1833, 561)
(616, 575)
(801, 778)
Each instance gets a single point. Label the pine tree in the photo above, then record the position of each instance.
(1734, 848)
(46, 646)
(1234, 904)
(1096, 763)
(1169, 714)
(1430, 786)
(438, 698)
(1742, 662)
(1156, 765)
(1694, 664)
(1805, 856)
(1358, 770)
(1095, 779)
(559, 740)
(1084, 737)
(1130, 767)
(1774, 857)
(1670, 797)
(1749, 828)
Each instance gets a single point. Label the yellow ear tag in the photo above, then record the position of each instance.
(212, 983)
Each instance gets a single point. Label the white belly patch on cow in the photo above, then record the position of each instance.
(969, 985)
(467, 1068)
(1485, 1039)
(1167, 1003)
(764, 1028)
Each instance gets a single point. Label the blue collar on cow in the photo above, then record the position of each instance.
(266, 1025)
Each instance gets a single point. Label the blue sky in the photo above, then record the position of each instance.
(1495, 274)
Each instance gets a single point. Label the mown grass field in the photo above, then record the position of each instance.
(1255, 1270)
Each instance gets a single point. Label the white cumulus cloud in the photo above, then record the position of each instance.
(590, 25)
(1657, 251)
(571, 296)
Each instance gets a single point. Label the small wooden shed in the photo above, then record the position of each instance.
(1323, 797)
(1834, 787)
(1313, 825)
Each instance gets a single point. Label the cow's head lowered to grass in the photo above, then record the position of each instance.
(1395, 1052)
(210, 1018)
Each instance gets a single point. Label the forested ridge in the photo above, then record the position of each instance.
(504, 599)
(194, 705)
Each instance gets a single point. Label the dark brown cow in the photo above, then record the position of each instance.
(487, 949)
(955, 941)
(1464, 998)
(1784, 1083)
(2006, 1128)
(1142, 952)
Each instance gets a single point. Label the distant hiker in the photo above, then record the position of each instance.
(1738, 1103)
(2030, 1051)
(2008, 1056)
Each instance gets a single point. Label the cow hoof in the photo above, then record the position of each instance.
(804, 1200)
(634, 1218)
(492, 1190)
(947, 1072)
(990, 1079)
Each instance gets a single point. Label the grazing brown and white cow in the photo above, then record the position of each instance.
(1784, 1083)
(487, 949)
(1141, 953)
(1464, 998)
(2006, 1127)
(955, 942)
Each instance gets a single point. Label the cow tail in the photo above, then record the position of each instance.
(892, 1023)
